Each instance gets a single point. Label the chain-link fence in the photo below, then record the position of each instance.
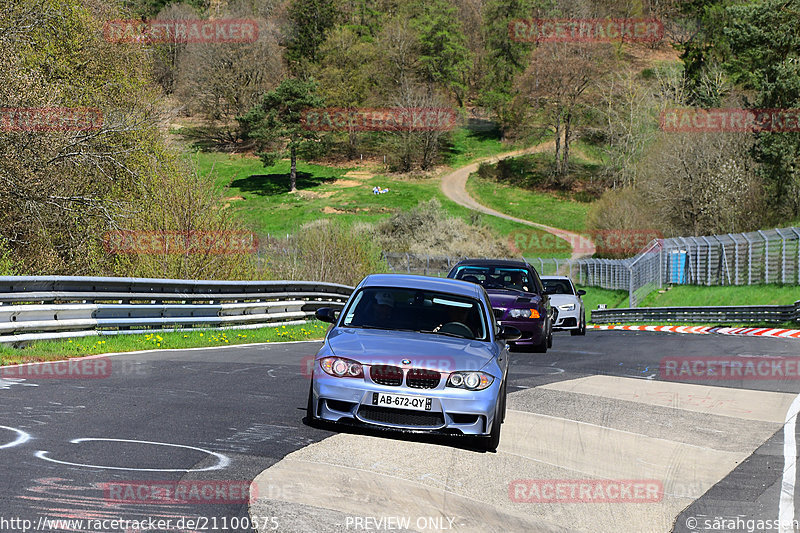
(768, 256)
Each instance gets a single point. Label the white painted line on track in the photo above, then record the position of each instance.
(222, 460)
(22, 437)
(786, 504)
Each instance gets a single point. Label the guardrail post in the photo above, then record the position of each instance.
(797, 269)
(631, 298)
(766, 256)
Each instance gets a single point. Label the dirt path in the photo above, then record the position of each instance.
(454, 186)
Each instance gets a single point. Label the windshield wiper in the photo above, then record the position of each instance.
(443, 333)
(367, 326)
(508, 288)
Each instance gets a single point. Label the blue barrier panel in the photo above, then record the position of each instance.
(677, 266)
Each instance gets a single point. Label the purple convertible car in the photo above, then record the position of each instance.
(518, 298)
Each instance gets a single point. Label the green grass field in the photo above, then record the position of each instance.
(468, 145)
(681, 295)
(542, 208)
(596, 295)
(260, 197)
(64, 349)
(691, 295)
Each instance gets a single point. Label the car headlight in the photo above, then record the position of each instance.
(523, 313)
(567, 307)
(340, 367)
(470, 380)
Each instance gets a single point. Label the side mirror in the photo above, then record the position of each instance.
(326, 314)
(509, 333)
(581, 292)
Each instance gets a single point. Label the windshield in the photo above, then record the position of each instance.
(497, 277)
(416, 310)
(558, 286)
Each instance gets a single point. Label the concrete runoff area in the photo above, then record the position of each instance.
(695, 436)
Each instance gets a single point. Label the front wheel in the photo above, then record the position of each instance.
(493, 440)
(310, 405)
(581, 329)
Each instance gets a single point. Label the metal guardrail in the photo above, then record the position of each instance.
(51, 307)
(722, 314)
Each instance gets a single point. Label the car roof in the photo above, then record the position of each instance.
(410, 281)
(555, 277)
(494, 262)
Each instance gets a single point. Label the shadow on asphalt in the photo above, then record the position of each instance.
(472, 444)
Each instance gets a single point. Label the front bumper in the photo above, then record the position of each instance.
(453, 411)
(567, 320)
(532, 331)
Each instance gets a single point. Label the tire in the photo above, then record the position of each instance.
(493, 440)
(546, 343)
(581, 329)
(310, 405)
(541, 347)
(505, 395)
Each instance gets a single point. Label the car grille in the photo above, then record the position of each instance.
(419, 378)
(386, 375)
(400, 417)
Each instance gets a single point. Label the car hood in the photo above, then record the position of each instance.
(561, 299)
(423, 350)
(511, 299)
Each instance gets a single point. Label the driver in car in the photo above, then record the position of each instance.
(457, 321)
(518, 282)
(384, 307)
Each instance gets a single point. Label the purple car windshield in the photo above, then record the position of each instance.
(424, 311)
(497, 277)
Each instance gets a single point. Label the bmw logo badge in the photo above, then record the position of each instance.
(406, 361)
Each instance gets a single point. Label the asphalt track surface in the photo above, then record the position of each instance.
(592, 407)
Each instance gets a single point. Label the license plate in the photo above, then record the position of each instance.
(417, 403)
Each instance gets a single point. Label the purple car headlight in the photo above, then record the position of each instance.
(470, 380)
(523, 313)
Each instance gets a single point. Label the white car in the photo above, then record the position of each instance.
(564, 297)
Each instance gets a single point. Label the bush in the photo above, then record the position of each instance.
(8, 266)
(328, 251)
(428, 230)
(184, 203)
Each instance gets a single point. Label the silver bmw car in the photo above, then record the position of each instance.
(414, 353)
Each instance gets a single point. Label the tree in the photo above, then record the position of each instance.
(220, 81)
(442, 54)
(764, 44)
(346, 74)
(702, 183)
(275, 123)
(505, 59)
(559, 82)
(629, 107)
(63, 188)
(310, 21)
(416, 146)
